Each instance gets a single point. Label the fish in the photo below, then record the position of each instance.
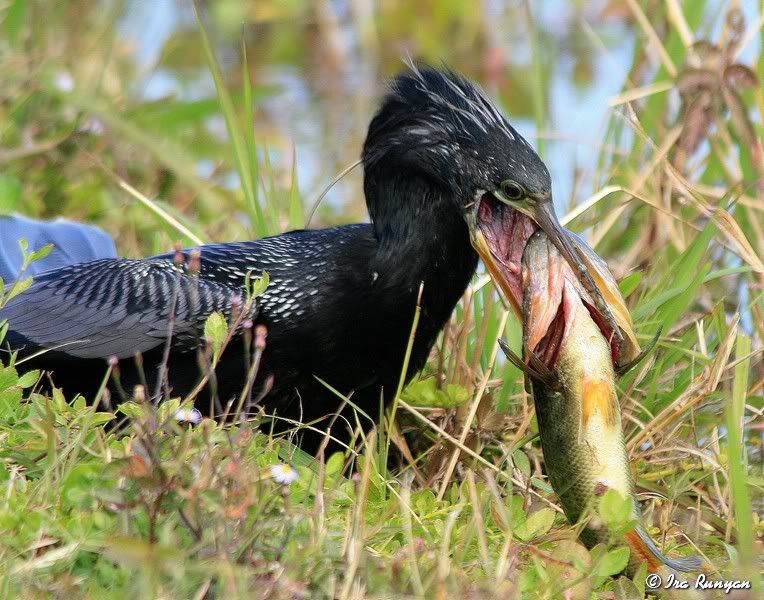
(571, 368)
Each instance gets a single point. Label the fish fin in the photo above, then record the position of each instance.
(513, 358)
(643, 546)
(622, 370)
(535, 372)
(545, 374)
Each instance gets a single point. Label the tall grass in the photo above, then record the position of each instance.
(88, 510)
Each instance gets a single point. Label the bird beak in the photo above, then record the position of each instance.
(500, 229)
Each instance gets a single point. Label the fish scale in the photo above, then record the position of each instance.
(567, 438)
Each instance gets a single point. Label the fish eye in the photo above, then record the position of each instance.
(512, 190)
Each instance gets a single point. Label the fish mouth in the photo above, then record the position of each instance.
(552, 294)
(549, 317)
(500, 233)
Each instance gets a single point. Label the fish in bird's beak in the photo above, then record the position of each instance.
(500, 228)
(551, 295)
(627, 346)
(569, 368)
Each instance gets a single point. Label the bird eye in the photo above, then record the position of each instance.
(512, 190)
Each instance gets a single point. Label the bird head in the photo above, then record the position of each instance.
(439, 127)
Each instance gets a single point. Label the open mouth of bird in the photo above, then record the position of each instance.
(502, 234)
(505, 233)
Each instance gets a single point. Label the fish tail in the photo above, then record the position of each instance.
(643, 547)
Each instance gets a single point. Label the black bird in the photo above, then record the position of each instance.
(446, 178)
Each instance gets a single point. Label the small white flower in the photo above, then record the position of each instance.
(63, 81)
(284, 474)
(188, 415)
(94, 126)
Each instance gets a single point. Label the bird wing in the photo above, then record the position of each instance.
(114, 307)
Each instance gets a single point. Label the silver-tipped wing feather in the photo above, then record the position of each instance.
(115, 307)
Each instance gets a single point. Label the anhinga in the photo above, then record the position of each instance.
(446, 179)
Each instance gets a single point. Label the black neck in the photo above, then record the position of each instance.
(422, 239)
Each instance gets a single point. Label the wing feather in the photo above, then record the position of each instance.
(113, 307)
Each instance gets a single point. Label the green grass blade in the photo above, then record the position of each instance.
(737, 459)
(539, 97)
(253, 203)
(296, 218)
(232, 126)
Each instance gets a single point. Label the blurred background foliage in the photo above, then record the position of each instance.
(648, 113)
(94, 90)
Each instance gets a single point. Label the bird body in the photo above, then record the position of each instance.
(444, 172)
(334, 310)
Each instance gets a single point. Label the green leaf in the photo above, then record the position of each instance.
(100, 418)
(8, 378)
(30, 257)
(260, 284)
(334, 464)
(59, 402)
(732, 553)
(425, 393)
(14, 20)
(542, 485)
(18, 287)
(424, 500)
(456, 395)
(10, 194)
(521, 461)
(625, 589)
(630, 283)
(535, 525)
(216, 331)
(40, 253)
(9, 402)
(615, 509)
(612, 563)
(28, 379)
